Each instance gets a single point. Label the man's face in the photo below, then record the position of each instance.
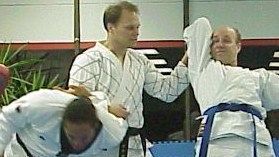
(79, 135)
(224, 47)
(125, 32)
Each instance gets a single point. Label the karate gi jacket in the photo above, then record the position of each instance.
(215, 83)
(100, 70)
(36, 118)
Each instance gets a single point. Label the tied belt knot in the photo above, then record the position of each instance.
(227, 107)
(123, 150)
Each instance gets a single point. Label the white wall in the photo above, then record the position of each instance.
(52, 20)
(157, 20)
(254, 18)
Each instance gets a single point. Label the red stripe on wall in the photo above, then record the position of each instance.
(140, 44)
(260, 42)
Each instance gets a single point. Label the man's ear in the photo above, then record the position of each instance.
(110, 27)
(238, 47)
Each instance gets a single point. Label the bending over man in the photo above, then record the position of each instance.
(50, 123)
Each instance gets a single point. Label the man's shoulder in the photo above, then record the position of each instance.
(49, 96)
(138, 54)
(94, 53)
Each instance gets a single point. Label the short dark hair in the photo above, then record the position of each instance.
(81, 110)
(113, 12)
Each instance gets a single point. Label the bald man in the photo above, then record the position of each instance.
(232, 99)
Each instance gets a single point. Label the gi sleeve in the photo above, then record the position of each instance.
(85, 70)
(114, 127)
(198, 40)
(165, 87)
(6, 131)
(13, 118)
(269, 83)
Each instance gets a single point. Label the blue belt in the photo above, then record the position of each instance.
(227, 107)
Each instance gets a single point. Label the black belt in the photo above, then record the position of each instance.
(123, 150)
(20, 142)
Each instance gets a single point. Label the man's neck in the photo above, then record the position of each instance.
(234, 63)
(118, 50)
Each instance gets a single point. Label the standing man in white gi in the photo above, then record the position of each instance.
(233, 100)
(53, 123)
(122, 73)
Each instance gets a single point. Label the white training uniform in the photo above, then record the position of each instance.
(215, 83)
(100, 70)
(36, 118)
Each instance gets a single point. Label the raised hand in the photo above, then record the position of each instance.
(75, 90)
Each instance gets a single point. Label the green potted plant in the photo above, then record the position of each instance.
(26, 75)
